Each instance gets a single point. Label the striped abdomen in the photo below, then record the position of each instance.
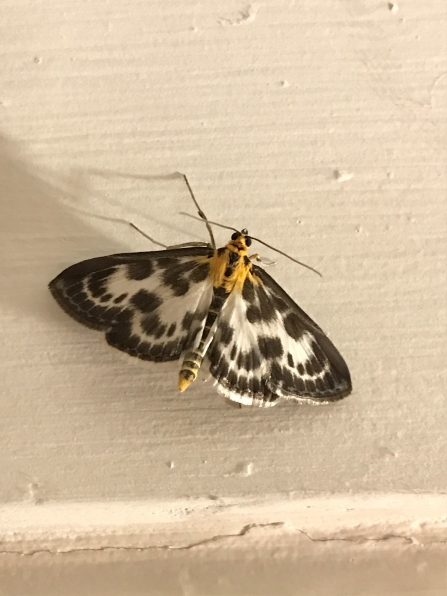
(194, 358)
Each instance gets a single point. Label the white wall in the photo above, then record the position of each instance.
(320, 126)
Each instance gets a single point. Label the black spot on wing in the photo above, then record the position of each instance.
(172, 328)
(232, 378)
(249, 360)
(124, 316)
(222, 367)
(253, 360)
(215, 353)
(178, 276)
(279, 304)
(180, 288)
(293, 325)
(253, 314)
(242, 383)
(187, 320)
(186, 267)
(248, 291)
(290, 361)
(310, 386)
(329, 381)
(146, 301)
(156, 351)
(319, 384)
(286, 379)
(226, 333)
(313, 367)
(270, 347)
(98, 281)
(86, 305)
(97, 288)
(119, 335)
(174, 280)
(200, 273)
(151, 325)
(120, 298)
(318, 352)
(299, 385)
(172, 350)
(132, 341)
(266, 305)
(167, 262)
(255, 385)
(139, 270)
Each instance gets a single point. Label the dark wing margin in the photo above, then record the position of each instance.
(325, 376)
(122, 294)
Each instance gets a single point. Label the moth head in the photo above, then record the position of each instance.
(243, 235)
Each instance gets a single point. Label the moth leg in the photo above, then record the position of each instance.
(233, 404)
(187, 244)
(262, 260)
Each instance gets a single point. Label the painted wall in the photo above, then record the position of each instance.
(320, 126)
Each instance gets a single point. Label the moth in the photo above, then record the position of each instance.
(207, 304)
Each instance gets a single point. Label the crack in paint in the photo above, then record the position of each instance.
(245, 530)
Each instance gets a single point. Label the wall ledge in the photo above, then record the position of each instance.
(388, 519)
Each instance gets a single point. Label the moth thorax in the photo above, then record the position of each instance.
(189, 370)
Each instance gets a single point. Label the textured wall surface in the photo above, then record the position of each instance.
(321, 127)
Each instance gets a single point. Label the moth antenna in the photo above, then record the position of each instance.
(286, 255)
(200, 212)
(214, 223)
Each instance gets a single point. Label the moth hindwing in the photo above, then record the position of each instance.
(209, 305)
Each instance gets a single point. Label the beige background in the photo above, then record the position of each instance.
(320, 126)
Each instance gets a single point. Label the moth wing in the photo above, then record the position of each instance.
(267, 347)
(151, 305)
(235, 360)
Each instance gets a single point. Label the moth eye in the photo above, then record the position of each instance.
(235, 236)
(247, 241)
